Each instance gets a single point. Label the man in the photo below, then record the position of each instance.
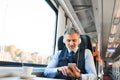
(61, 66)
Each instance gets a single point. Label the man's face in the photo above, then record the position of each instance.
(71, 41)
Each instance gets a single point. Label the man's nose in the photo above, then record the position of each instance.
(71, 43)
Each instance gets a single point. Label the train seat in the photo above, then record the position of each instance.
(85, 43)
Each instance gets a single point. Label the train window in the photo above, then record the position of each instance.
(27, 30)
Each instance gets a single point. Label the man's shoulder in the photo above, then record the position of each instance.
(87, 50)
(58, 52)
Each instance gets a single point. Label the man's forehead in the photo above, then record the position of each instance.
(71, 36)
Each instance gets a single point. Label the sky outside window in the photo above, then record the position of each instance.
(27, 24)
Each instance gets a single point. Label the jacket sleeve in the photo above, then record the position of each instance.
(51, 69)
(89, 66)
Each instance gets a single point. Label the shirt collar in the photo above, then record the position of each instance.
(75, 50)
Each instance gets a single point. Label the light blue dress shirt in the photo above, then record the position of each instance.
(51, 69)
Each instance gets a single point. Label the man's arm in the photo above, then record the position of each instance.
(51, 69)
(89, 66)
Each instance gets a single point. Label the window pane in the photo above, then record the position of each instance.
(26, 31)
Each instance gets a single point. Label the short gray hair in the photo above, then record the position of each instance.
(71, 30)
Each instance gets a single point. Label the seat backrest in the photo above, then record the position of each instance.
(85, 43)
(61, 45)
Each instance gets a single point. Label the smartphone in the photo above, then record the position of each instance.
(71, 64)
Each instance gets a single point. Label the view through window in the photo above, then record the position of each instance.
(26, 31)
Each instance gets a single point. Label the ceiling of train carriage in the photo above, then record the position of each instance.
(100, 19)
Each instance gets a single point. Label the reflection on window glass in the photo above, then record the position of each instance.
(26, 31)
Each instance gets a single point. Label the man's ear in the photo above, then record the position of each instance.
(79, 40)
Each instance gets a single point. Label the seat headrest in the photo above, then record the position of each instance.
(85, 43)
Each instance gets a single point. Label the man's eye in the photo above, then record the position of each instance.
(68, 40)
(74, 40)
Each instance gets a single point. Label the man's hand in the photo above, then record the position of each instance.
(63, 69)
(73, 71)
(70, 70)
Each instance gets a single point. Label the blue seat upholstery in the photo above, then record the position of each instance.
(61, 45)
